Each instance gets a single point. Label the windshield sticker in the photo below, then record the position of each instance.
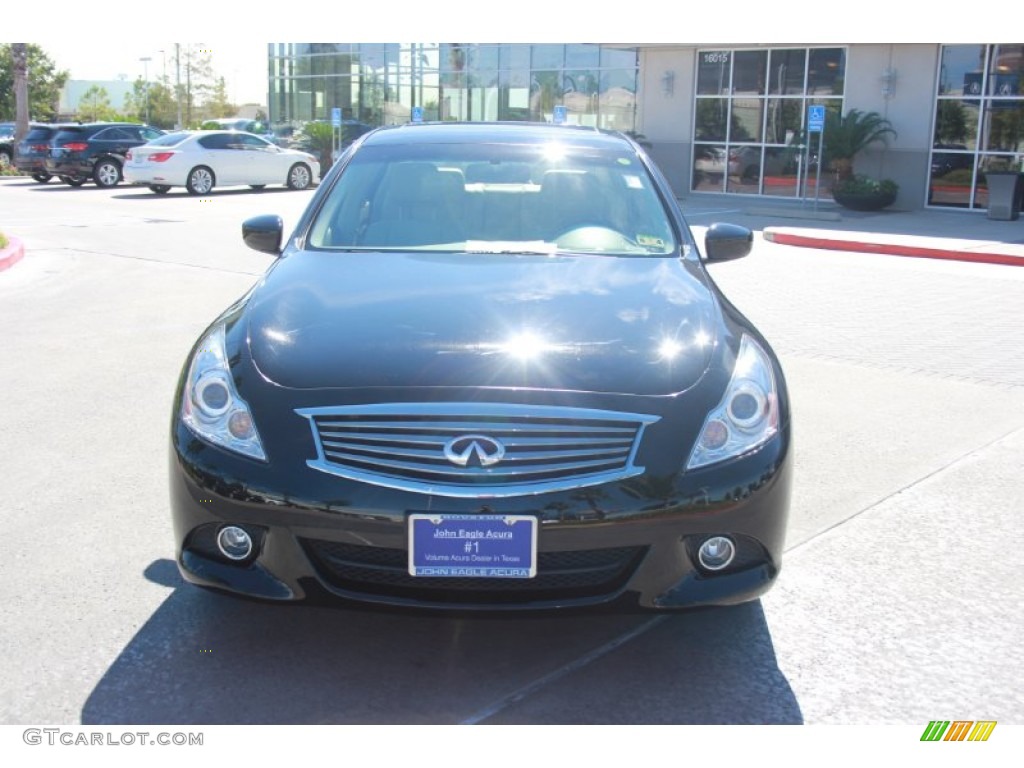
(647, 241)
(633, 182)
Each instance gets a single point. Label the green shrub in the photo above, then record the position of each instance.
(865, 185)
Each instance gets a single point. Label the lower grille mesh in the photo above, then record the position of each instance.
(570, 574)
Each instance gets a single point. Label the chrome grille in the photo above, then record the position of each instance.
(538, 448)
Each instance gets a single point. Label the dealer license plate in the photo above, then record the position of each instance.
(475, 546)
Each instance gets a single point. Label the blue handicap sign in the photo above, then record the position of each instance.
(417, 114)
(560, 114)
(336, 117)
(816, 118)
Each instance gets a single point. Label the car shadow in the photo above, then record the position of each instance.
(131, 192)
(206, 658)
(143, 193)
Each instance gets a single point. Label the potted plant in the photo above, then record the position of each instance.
(862, 193)
(848, 135)
(845, 137)
(317, 138)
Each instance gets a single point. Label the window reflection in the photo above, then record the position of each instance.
(979, 122)
(744, 131)
(379, 84)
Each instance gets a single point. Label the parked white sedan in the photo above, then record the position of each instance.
(201, 160)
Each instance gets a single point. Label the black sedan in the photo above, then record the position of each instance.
(489, 371)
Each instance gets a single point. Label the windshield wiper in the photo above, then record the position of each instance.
(527, 248)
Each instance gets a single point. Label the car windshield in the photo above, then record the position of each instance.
(494, 198)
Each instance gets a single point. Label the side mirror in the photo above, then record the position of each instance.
(724, 242)
(264, 233)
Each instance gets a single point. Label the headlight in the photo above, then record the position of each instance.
(747, 415)
(211, 406)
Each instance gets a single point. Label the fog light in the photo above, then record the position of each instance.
(716, 553)
(234, 543)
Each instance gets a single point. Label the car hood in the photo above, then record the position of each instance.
(637, 325)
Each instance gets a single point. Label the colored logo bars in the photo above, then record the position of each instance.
(958, 730)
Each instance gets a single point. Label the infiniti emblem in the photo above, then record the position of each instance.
(474, 451)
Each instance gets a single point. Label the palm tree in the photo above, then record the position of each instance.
(846, 136)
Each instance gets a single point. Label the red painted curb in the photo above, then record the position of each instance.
(12, 253)
(784, 238)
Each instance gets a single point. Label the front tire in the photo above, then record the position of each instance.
(160, 189)
(42, 178)
(107, 174)
(6, 159)
(299, 176)
(200, 180)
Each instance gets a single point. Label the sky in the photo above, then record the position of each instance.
(239, 44)
(241, 62)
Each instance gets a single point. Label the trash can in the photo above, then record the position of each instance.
(1005, 194)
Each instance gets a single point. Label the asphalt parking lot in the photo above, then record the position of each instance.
(899, 600)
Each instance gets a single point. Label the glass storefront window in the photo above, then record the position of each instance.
(547, 56)
(960, 71)
(784, 120)
(1002, 126)
(979, 121)
(712, 120)
(781, 171)
(749, 72)
(713, 72)
(738, 102)
(747, 120)
(1005, 70)
(618, 58)
(956, 124)
(582, 56)
(484, 57)
(710, 167)
(380, 83)
(515, 57)
(826, 71)
(786, 72)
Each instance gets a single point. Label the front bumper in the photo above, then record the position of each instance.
(630, 544)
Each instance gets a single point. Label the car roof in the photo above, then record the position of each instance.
(496, 132)
(228, 131)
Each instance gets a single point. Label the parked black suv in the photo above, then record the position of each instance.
(95, 151)
(6, 145)
(34, 149)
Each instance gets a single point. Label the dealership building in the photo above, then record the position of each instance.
(723, 119)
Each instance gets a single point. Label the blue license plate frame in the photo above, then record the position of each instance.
(472, 546)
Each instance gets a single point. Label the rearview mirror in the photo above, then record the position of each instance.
(724, 242)
(264, 233)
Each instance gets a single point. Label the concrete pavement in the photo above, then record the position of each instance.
(950, 234)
